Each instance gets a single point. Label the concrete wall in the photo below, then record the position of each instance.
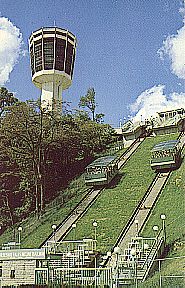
(24, 272)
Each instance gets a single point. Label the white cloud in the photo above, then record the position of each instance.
(10, 48)
(154, 100)
(174, 47)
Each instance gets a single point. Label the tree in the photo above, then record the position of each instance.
(89, 101)
(6, 99)
(9, 180)
(27, 140)
(48, 151)
(40, 144)
(99, 117)
(81, 115)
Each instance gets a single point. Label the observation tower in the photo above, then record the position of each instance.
(52, 53)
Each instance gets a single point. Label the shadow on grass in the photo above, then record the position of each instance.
(116, 180)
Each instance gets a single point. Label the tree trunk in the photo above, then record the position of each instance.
(9, 209)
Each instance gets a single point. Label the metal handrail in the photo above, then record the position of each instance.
(158, 242)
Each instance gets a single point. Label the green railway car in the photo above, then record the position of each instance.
(101, 171)
(166, 155)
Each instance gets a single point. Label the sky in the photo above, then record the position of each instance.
(132, 52)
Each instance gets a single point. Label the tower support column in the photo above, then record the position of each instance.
(51, 96)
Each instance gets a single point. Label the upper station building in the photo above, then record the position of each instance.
(52, 53)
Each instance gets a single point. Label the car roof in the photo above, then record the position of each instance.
(102, 161)
(165, 145)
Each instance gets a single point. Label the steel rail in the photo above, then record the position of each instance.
(141, 212)
(86, 202)
(124, 235)
(66, 225)
(66, 218)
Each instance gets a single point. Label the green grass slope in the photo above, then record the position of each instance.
(35, 231)
(116, 204)
(111, 210)
(172, 204)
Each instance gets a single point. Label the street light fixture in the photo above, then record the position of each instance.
(95, 224)
(19, 236)
(116, 273)
(116, 249)
(163, 217)
(155, 228)
(137, 227)
(54, 235)
(133, 253)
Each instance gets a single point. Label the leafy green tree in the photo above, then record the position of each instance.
(6, 99)
(81, 115)
(89, 101)
(99, 117)
(9, 180)
(48, 151)
(26, 132)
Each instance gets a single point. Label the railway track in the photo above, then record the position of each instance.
(141, 214)
(143, 209)
(128, 153)
(73, 217)
(64, 228)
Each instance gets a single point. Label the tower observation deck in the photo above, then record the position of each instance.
(52, 53)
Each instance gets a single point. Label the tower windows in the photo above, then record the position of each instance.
(48, 53)
(69, 57)
(54, 50)
(60, 54)
(38, 55)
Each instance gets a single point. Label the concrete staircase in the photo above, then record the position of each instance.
(136, 266)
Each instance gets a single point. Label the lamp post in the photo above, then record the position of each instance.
(137, 227)
(141, 118)
(54, 235)
(155, 228)
(95, 224)
(163, 217)
(133, 253)
(109, 254)
(19, 236)
(145, 247)
(116, 266)
(145, 251)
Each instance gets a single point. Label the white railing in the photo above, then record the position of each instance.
(75, 276)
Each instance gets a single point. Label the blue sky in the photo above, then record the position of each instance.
(116, 54)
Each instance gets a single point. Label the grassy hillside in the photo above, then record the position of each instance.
(116, 203)
(111, 211)
(35, 231)
(172, 204)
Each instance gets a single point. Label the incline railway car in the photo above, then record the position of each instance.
(101, 171)
(166, 155)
